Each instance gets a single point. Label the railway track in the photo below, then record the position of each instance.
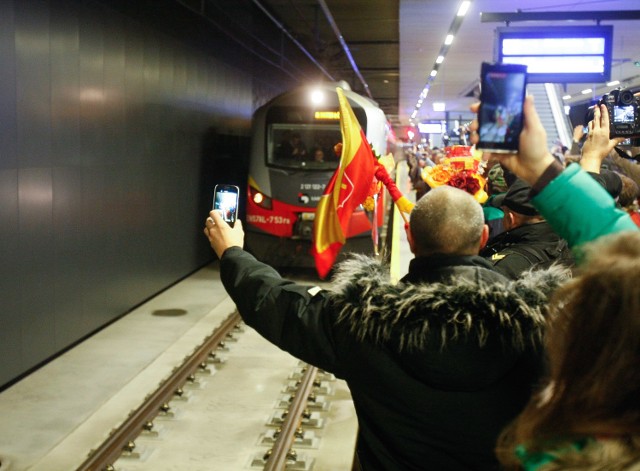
(291, 428)
(122, 439)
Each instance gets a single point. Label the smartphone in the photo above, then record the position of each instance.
(502, 91)
(225, 200)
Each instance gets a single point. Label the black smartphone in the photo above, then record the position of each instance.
(502, 91)
(225, 200)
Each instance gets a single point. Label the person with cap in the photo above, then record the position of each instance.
(528, 240)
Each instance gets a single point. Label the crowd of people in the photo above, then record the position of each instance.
(515, 348)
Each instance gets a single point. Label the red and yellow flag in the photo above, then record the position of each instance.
(347, 189)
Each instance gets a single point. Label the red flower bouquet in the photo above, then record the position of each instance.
(459, 169)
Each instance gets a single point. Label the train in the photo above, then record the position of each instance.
(293, 155)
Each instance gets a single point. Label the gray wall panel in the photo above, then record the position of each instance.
(33, 89)
(134, 91)
(114, 85)
(36, 259)
(8, 99)
(12, 363)
(65, 85)
(69, 264)
(103, 121)
(11, 339)
(92, 93)
(152, 151)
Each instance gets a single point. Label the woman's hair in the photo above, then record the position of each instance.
(629, 193)
(593, 345)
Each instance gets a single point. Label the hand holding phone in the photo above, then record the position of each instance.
(222, 237)
(502, 93)
(225, 201)
(533, 157)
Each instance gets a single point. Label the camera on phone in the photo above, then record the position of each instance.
(623, 107)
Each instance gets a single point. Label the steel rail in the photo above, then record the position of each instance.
(280, 451)
(110, 450)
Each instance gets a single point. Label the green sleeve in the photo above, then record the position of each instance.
(579, 209)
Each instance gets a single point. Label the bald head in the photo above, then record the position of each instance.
(446, 220)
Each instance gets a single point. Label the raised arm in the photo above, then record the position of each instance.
(577, 207)
(598, 145)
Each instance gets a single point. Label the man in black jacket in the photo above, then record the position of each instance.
(528, 241)
(437, 364)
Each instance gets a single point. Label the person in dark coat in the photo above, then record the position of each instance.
(528, 241)
(437, 364)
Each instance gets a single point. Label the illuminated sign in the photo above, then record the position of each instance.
(430, 128)
(327, 115)
(560, 54)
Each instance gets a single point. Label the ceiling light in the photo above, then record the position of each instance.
(455, 25)
(438, 106)
(566, 97)
(613, 83)
(464, 7)
(588, 90)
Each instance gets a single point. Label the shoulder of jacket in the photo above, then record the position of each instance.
(374, 308)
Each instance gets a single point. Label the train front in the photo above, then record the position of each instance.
(293, 156)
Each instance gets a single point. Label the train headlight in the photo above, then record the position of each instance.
(260, 199)
(317, 97)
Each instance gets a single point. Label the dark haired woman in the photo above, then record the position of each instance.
(588, 417)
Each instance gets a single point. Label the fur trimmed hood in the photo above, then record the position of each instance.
(409, 314)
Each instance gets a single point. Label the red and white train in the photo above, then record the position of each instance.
(292, 160)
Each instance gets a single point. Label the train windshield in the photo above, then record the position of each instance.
(303, 146)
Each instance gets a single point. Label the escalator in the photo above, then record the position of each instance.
(550, 107)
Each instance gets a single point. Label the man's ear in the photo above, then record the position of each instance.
(484, 237)
(407, 229)
(508, 221)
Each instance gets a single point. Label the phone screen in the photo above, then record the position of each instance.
(502, 92)
(225, 200)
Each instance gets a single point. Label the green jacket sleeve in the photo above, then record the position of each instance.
(579, 209)
(294, 317)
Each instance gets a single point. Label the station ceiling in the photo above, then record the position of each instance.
(394, 45)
